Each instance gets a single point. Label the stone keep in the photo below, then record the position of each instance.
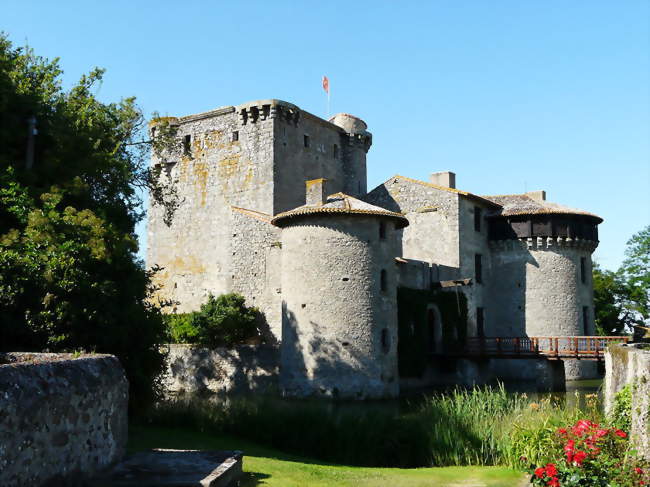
(243, 225)
(339, 313)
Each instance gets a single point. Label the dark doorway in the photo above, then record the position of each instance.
(431, 331)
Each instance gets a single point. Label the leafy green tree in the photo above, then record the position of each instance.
(609, 295)
(635, 270)
(69, 276)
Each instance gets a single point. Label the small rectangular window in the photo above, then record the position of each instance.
(385, 340)
(478, 268)
(477, 218)
(235, 136)
(480, 322)
(583, 270)
(383, 284)
(187, 144)
(585, 320)
(336, 151)
(382, 230)
(306, 141)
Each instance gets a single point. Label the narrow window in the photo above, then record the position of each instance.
(477, 218)
(585, 320)
(306, 141)
(385, 340)
(583, 270)
(382, 230)
(336, 151)
(153, 132)
(235, 136)
(478, 268)
(187, 144)
(383, 285)
(480, 323)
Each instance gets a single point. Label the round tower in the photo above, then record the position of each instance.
(356, 143)
(541, 257)
(339, 312)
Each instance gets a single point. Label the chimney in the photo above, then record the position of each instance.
(444, 178)
(316, 192)
(537, 195)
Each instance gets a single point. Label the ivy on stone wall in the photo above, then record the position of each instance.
(413, 333)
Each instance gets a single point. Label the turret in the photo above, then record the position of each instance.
(356, 143)
(339, 292)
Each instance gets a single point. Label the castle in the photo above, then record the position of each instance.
(363, 290)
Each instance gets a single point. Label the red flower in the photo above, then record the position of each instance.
(638, 470)
(562, 431)
(540, 473)
(601, 433)
(554, 482)
(620, 433)
(551, 471)
(568, 449)
(579, 457)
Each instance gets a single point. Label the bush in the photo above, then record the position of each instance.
(180, 329)
(621, 413)
(590, 454)
(223, 321)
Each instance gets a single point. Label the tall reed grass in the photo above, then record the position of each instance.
(481, 426)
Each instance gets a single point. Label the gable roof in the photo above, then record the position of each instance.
(340, 203)
(444, 188)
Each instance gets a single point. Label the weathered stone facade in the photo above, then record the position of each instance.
(62, 418)
(630, 365)
(244, 369)
(522, 263)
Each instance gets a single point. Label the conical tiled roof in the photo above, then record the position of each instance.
(340, 203)
(522, 204)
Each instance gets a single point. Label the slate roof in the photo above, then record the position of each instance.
(522, 204)
(340, 203)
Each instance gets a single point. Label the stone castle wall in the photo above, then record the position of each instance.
(538, 290)
(61, 418)
(339, 329)
(244, 369)
(255, 156)
(433, 232)
(630, 364)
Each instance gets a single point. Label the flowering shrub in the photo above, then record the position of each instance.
(594, 456)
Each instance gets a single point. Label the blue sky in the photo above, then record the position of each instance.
(511, 95)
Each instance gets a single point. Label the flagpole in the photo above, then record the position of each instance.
(328, 104)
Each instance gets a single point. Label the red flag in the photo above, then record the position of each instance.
(326, 84)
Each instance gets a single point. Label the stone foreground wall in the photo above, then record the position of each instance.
(629, 364)
(245, 368)
(61, 418)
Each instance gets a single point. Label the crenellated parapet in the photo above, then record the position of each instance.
(261, 110)
(543, 243)
(359, 141)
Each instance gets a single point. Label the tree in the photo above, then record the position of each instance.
(609, 292)
(635, 270)
(69, 276)
(622, 298)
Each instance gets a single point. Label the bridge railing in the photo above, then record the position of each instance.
(550, 346)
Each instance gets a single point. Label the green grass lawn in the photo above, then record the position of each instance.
(268, 467)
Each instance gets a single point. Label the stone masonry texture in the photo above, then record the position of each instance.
(62, 418)
(630, 364)
(238, 167)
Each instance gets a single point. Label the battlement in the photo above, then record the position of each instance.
(543, 243)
